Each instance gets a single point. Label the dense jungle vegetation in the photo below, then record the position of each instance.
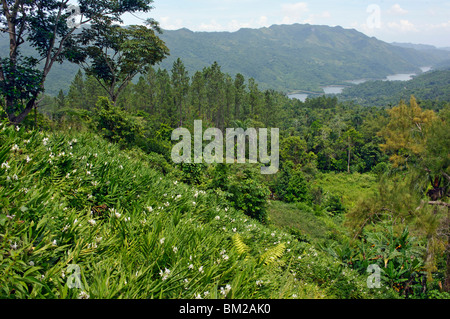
(92, 205)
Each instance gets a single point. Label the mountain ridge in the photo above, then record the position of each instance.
(295, 57)
(281, 57)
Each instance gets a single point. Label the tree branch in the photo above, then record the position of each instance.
(437, 203)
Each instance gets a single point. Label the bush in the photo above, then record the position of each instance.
(115, 124)
(333, 205)
(248, 194)
(380, 169)
(292, 186)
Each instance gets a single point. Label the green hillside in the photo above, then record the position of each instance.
(281, 57)
(295, 57)
(73, 198)
(434, 87)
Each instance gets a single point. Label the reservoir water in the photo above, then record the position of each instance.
(337, 89)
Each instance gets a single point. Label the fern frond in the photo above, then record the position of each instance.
(273, 254)
(239, 244)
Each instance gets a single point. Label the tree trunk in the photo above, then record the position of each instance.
(16, 120)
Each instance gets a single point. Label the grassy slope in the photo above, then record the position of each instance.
(302, 221)
(349, 187)
(72, 198)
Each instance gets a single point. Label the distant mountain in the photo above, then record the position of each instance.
(59, 78)
(432, 86)
(440, 54)
(281, 57)
(296, 57)
(415, 46)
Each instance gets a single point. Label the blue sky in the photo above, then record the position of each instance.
(426, 22)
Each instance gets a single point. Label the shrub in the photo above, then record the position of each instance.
(248, 194)
(333, 205)
(115, 124)
(292, 186)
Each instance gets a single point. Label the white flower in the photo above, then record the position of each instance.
(194, 203)
(161, 241)
(127, 219)
(201, 269)
(83, 295)
(217, 218)
(45, 141)
(164, 274)
(175, 249)
(14, 247)
(31, 263)
(226, 290)
(92, 222)
(191, 266)
(120, 166)
(150, 209)
(17, 128)
(234, 230)
(197, 296)
(15, 148)
(88, 173)
(15, 177)
(117, 214)
(54, 243)
(175, 183)
(6, 166)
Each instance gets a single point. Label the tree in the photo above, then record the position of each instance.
(419, 140)
(180, 82)
(48, 26)
(405, 132)
(239, 84)
(114, 55)
(293, 148)
(351, 137)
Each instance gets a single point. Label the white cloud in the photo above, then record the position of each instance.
(167, 24)
(318, 18)
(293, 12)
(211, 26)
(396, 9)
(403, 26)
(235, 25)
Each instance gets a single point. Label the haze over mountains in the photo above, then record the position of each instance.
(284, 57)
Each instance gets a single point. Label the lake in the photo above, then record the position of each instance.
(337, 89)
